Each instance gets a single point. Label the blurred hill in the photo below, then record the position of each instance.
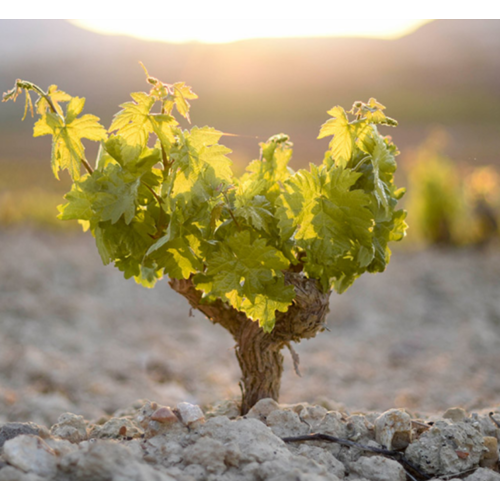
(446, 73)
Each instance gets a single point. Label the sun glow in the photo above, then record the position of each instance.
(225, 31)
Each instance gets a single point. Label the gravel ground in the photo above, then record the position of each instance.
(76, 337)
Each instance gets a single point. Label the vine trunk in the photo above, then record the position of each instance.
(259, 353)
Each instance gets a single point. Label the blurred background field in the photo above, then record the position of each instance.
(424, 335)
(444, 75)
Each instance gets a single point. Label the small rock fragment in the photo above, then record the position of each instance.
(164, 415)
(10, 473)
(31, 454)
(208, 453)
(490, 456)
(107, 461)
(376, 468)
(113, 429)
(313, 415)
(393, 429)
(262, 409)
(447, 448)
(190, 414)
(286, 423)
(155, 419)
(227, 408)
(359, 428)
(333, 423)
(455, 414)
(483, 474)
(323, 457)
(146, 411)
(70, 427)
(13, 429)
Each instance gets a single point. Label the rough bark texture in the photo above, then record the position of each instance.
(259, 353)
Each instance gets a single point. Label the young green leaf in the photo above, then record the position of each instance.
(344, 135)
(246, 273)
(183, 93)
(68, 151)
(202, 167)
(135, 122)
(327, 219)
(56, 96)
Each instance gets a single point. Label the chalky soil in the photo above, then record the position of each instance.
(272, 442)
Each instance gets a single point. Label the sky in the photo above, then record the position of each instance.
(230, 30)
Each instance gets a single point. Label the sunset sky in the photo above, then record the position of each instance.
(223, 31)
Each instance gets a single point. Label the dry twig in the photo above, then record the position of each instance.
(496, 422)
(415, 475)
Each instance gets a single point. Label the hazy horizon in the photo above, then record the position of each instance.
(203, 31)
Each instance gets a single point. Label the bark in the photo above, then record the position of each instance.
(259, 353)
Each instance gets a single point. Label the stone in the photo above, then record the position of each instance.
(228, 408)
(447, 448)
(483, 474)
(190, 414)
(313, 415)
(208, 453)
(376, 468)
(455, 414)
(116, 428)
(393, 429)
(10, 473)
(490, 456)
(107, 461)
(164, 415)
(262, 409)
(322, 457)
(333, 423)
(286, 423)
(293, 468)
(156, 420)
(30, 453)
(255, 440)
(70, 427)
(13, 429)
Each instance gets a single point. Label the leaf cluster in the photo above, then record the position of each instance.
(163, 201)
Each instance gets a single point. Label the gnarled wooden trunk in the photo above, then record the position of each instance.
(259, 353)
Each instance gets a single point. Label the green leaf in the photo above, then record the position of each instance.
(327, 219)
(183, 93)
(203, 169)
(86, 127)
(136, 160)
(116, 196)
(372, 112)
(246, 273)
(384, 232)
(79, 206)
(136, 122)
(264, 176)
(56, 96)
(256, 213)
(263, 306)
(74, 108)
(163, 126)
(177, 258)
(148, 276)
(125, 244)
(344, 135)
(67, 148)
(120, 150)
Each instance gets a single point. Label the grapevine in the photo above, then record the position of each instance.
(259, 254)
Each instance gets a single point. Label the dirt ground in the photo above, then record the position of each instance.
(77, 337)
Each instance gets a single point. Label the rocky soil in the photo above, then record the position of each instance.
(101, 379)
